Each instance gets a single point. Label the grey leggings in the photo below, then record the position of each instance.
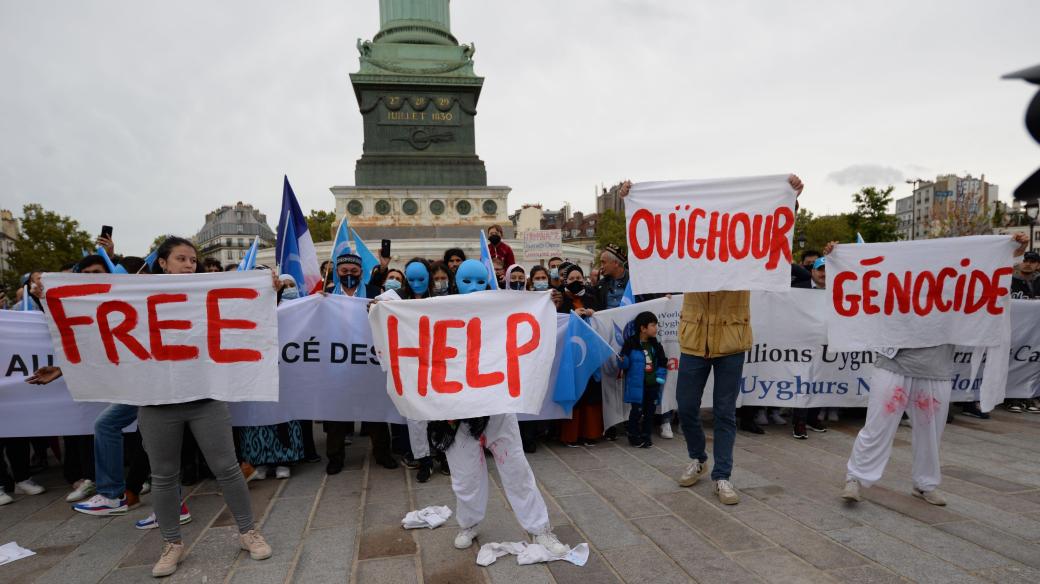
(162, 429)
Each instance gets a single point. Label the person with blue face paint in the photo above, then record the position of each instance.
(464, 442)
(417, 286)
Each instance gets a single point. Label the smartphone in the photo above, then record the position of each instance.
(385, 249)
(106, 231)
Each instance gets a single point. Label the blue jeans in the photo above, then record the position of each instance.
(108, 449)
(693, 375)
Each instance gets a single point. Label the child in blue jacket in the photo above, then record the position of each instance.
(643, 360)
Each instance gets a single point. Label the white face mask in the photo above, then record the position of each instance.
(290, 293)
(440, 287)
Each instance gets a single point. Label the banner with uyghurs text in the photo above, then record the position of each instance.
(920, 293)
(165, 339)
(707, 235)
(466, 356)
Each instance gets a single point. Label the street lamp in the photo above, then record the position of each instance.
(801, 241)
(913, 205)
(1032, 211)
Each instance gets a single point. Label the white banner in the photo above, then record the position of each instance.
(466, 356)
(920, 293)
(706, 235)
(165, 339)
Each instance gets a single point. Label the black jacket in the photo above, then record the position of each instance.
(1028, 289)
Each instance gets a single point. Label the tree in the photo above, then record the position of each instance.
(47, 242)
(961, 214)
(610, 228)
(871, 217)
(321, 224)
(821, 230)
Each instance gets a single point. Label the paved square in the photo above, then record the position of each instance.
(790, 525)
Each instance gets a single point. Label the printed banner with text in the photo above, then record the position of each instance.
(165, 339)
(707, 235)
(466, 356)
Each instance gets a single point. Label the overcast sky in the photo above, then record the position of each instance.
(148, 115)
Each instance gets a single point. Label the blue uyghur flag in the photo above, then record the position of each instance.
(368, 261)
(485, 258)
(340, 246)
(249, 262)
(150, 260)
(628, 298)
(289, 249)
(859, 238)
(112, 268)
(582, 354)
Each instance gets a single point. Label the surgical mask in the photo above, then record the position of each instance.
(495, 239)
(516, 285)
(440, 288)
(577, 288)
(392, 285)
(290, 293)
(541, 285)
(350, 282)
(554, 273)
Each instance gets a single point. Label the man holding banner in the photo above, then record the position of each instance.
(913, 297)
(715, 240)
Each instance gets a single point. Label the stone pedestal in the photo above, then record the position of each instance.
(417, 212)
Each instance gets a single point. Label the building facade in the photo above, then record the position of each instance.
(949, 205)
(229, 231)
(8, 239)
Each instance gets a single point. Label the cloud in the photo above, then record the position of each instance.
(867, 175)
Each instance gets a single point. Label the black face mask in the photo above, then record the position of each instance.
(516, 285)
(577, 288)
(351, 281)
(495, 239)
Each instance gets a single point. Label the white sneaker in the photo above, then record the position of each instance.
(28, 487)
(465, 537)
(776, 419)
(693, 473)
(666, 431)
(832, 415)
(146, 487)
(934, 496)
(85, 489)
(261, 473)
(760, 417)
(726, 493)
(551, 543)
(5, 498)
(851, 492)
(282, 472)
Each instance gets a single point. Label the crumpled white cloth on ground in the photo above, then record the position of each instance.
(530, 553)
(431, 517)
(10, 552)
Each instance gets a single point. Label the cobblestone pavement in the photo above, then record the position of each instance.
(790, 525)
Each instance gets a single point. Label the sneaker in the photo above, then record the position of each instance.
(254, 543)
(815, 426)
(726, 493)
(799, 431)
(1015, 406)
(248, 472)
(666, 431)
(425, 470)
(751, 426)
(172, 554)
(572, 444)
(646, 444)
(102, 506)
(776, 419)
(260, 473)
(312, 458)
(334, 467)
(387, 462)
(933, 496)
(84, 489)
(972, 409)
(693, 473)
(832, 415)
(146, 487)
(132, 501)
(443, 467)
(1033, 406)
(410, 462)
(282, 472)
(851, 492)
(552, 543)
(465, 537)
(760, 417)
(5, 498)
(28, 487)
(150, 522)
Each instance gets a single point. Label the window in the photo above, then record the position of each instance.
(241, 254)
(230, 255)
(241, 229)
(227, 242)
(590, 231)
(241, 241)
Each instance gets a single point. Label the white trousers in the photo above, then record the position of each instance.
(469, 475)
(926, 402)
(417, 438)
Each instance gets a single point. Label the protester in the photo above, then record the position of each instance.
(517, 278)
(554, 272)
(728, 316)
(500, 272)
(916, 381)
(804, 419)
(210, 265)
(809, 258)
(19, 480)
(453, 258)
(538, 280)
(585, 425)
(162, 428)
(441, 278)
(644, 362)
(1025, 283)
(497, 248)
(464, 442)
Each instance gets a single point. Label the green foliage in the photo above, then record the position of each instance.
(320, 224)
(871, 217)
(47, 242)
(610, 228)
(821, 230)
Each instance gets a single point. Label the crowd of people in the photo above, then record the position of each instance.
(177, 445)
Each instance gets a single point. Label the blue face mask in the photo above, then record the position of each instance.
(541, 285)
(554, 273)
(392, 285)
(290, 293)
(471, 276)
(418, 277)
